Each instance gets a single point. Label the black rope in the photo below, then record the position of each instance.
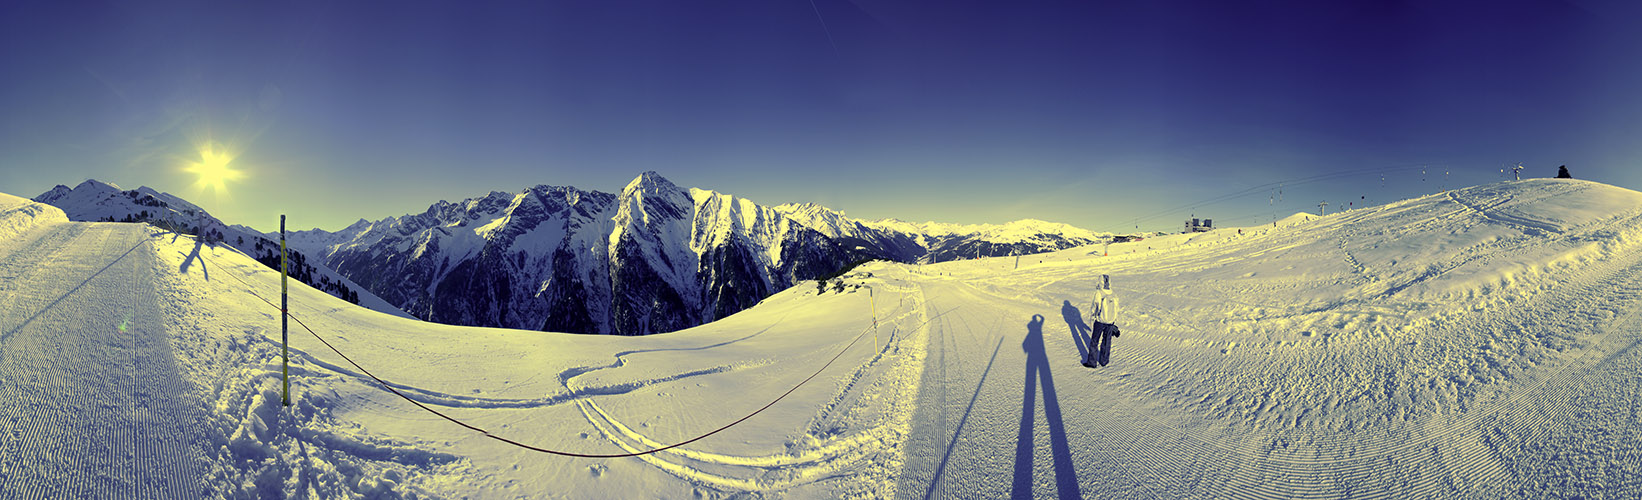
(418, 404)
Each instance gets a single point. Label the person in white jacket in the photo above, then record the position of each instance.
(1102, 325)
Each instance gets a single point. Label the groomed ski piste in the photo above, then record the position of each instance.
(1476, 343)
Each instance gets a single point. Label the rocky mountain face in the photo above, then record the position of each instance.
(653, 258)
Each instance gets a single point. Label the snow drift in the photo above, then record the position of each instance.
(18, 215)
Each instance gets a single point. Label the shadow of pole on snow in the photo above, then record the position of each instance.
(7, 334)
(189, 260)
(1037, 369)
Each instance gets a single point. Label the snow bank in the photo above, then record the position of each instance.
(18, 215)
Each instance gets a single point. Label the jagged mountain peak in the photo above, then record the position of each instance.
(806, 207)
(561, 195)
(648, 183)
(490, 202)
(549, 190)
(827, 221)
(719, 216)
(496, 195)
(809, 210)
(737, 203)
(647, 197)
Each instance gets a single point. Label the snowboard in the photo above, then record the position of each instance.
(1108, 331)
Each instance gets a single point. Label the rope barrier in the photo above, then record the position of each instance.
(418, 404)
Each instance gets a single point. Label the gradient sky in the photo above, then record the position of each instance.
(1091, 113)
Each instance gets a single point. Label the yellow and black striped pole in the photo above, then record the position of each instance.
(284, 318)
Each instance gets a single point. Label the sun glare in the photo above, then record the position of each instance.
(213, 169)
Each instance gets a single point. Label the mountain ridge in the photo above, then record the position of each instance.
(98, 201)
(653, 257)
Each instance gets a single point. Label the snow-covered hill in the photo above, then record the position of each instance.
(97, 201)
(18, 215)
(653, 258)
(1477, 343)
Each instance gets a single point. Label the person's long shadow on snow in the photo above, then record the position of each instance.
(1080, 330)
(1037, 369)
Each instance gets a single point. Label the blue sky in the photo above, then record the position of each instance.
(1091, 113)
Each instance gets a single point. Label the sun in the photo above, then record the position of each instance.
(213, 169)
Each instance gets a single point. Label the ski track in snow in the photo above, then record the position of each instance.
(834, 447)
(1177, 445)
(830, 450)
(93, 403)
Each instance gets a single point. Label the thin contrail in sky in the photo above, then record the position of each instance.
(825, 28)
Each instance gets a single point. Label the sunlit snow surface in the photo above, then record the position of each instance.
(1473, 343)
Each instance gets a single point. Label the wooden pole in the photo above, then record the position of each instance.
(874, 303)
(284, 317)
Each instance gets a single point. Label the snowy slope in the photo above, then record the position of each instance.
(99, 201)
(1473, 343)
(18, 215)
(96, 404)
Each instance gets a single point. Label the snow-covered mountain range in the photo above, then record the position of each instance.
(931, 242)
(1474, 343)
(97, 201)
(654, 258)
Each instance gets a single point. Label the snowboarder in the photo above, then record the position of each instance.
(1562, 172)
(1103, 314)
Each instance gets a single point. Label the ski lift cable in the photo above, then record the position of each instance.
(549, 451)
(1263, 187)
